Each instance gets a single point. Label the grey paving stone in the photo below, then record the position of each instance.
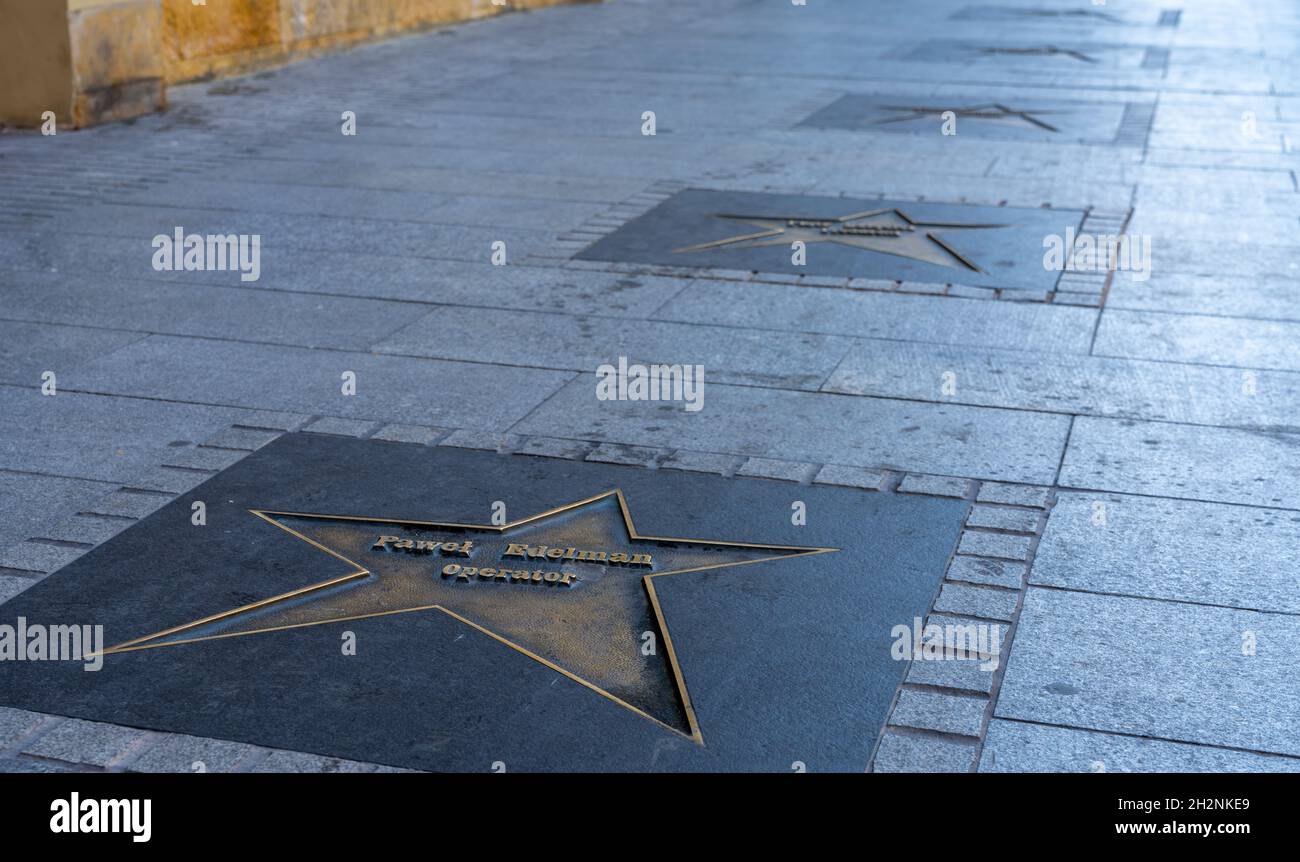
(97, 437)
(392, 388)
(84, 529)
(1003, 518)
(958, 628)
(920, 287)
(128, 504)
(403, 204)
(918, 753)
(872, 284)
(30, 504)
(287, 235)
(28, 350)
(819, 428)
(1124, 674)
(935, 486)
(553, 447)
(16, 723)
(1220, 293)
(1015, 746)
(1232, 341)
(1207, 553)
(90, 742)
(399, 433)
(1001, 545)
(294, 761)
(727, 354)
(37, 556)
(493, 441)
(823, 281)
(29, 765)
(201, 310)
(979, 570)
(12, 585)
(865, 314)
(1014, 495)
(702, 462)
(271, 420)
(984, 602)
(1071, 384)
(1184, 461)
(769, 468)
(618, 453)
(968, 673)
(942, 712)
(173, 752)
(170, 480)
(247, 439)
(852, 477)
(341, 427)
(969, 292)
(200, 458)
(1065, 297)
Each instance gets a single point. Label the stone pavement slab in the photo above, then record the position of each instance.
(28, 350)
(1236, 342)
(1017, 746)
(234, 312)
(1015, 446)
(97, 437)
(1188, 462)
(270, 377)
(942, 320)
(1271, 297)
(1208, 553)
(313, 232)
(473, 281)
(727, 354)
(1078, 385)
(1167, 670)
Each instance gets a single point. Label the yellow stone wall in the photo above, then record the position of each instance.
(117, 69)
(35, 62)
(93, 61)
(229, 35)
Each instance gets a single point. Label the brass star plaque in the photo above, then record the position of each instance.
(843, 237)
(352, 598)
(990, 111)
(1096, 121)
(572, 588)
(889, 231)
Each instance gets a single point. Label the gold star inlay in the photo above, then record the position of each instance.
(888, 231)
(572, 588)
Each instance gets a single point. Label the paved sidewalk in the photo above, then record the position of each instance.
(1130, 445)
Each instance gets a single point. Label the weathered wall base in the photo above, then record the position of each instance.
(94, 61)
